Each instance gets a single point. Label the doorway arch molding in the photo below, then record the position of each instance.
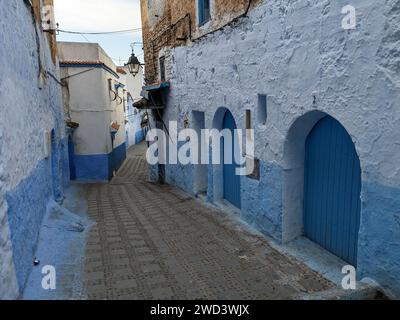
(215, 191)
(293, 172)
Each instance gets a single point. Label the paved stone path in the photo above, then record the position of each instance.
(153, 241)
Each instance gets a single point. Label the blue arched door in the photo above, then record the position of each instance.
(231, 180)
(332, 190)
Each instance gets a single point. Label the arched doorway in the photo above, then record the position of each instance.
(55, 166)
(332, 186)
(71, 157)
(231, 181)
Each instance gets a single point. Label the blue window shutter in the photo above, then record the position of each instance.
(204, 11)
(201, 12)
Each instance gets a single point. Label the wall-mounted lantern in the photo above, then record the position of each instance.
(133, 64)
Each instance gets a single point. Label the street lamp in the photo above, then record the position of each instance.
(133, 64)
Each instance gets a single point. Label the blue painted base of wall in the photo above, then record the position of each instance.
(139, 136)
(26, 209)
(262, 200)
(118, 157)
(65, 163)
(379, 236)
(60, 247)
(180, 176)
(99, 167)
(92, 167)
(27, 205)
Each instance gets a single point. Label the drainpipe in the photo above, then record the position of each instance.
(113, 133)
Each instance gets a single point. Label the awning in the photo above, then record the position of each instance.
(155, 96)
(144, 104)
(156, 87)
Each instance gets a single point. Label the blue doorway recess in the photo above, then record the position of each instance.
(231, 179)
(71, 156)
(332, 189)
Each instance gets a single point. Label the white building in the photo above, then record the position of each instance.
(133, 86)
(93, 98)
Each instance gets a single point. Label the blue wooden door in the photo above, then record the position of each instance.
(231, 180)
(332, 190)
(71, 156)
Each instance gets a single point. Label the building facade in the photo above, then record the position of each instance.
(94, 106)
(133, 117)
(323, 100)
(33, 144)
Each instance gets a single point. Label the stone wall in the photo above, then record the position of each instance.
(175, 23)
(299, 56)
(30, 105)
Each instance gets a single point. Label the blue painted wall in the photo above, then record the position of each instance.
(92, 167)
(262, 200)
(180, 175)
(139, 136)
(134, 130)
(27, 206)
(99, 167)
(118, 156)
(28, 180)
(379, 237)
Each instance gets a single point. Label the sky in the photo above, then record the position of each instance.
(102, 16)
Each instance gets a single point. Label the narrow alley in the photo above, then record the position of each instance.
(199, 150)
(152, 241)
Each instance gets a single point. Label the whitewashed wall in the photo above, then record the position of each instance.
(298, 54)
(27, 110)
(90, 101)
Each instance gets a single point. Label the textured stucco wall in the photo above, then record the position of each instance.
(134, 133)
(27, 179)
(176, 23)
(292, 51)
(92, 105)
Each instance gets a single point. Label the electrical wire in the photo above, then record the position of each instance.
(101, 33)
(55, 78)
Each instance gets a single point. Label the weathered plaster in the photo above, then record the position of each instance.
(297, 54)
(91, 104)
(8, 283)
(28, 108)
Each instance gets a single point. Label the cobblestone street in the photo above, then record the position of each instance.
(152, 241)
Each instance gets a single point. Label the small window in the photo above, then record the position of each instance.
(248, 119)
(162, 68)
(204, 11)
(262, 109)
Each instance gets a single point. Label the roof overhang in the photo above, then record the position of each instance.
(144, 104)
(88, 64)
(154, 96)
(157, 87)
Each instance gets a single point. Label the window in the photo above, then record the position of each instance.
(204, 11)
(262, 109)
(248, 119)
(162, 68)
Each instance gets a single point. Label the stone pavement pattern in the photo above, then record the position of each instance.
(152, 241)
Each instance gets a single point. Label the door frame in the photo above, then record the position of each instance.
(224, 166)
(215, 191)
(293, 173)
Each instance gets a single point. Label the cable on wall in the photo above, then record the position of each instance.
(42, 72)
(100, 33)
